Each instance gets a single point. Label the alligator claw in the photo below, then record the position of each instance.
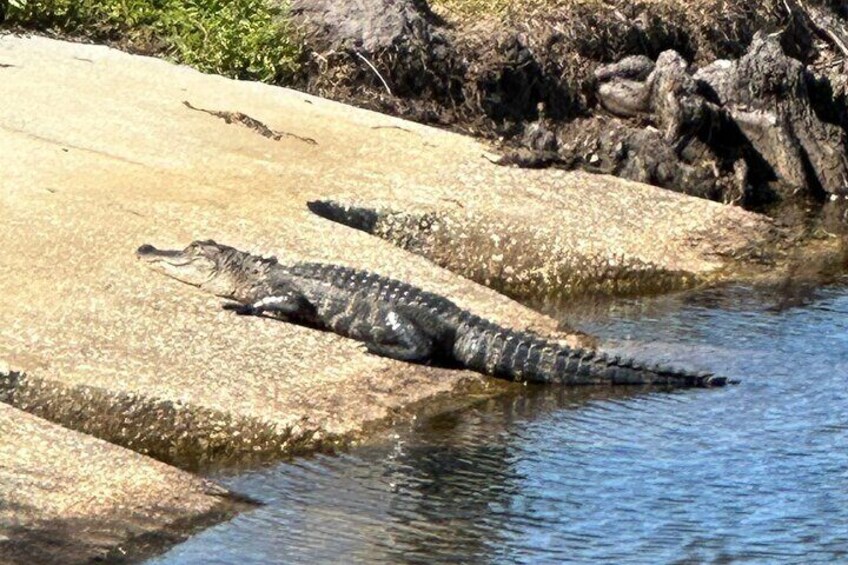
(240, 309)
(714, 381)
(717, 381)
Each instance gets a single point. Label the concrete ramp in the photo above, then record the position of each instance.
(102, 151)
(69, 498)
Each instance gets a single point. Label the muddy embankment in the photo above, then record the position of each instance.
(734, 101)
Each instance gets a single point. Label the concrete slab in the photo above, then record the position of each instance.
(595, 235)
(100, 154)
(70, 498)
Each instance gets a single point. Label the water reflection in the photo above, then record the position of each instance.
(757, 472)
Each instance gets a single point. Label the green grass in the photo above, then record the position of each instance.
(246, 39)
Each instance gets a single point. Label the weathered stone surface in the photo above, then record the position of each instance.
(369, 26)
(678, 110)
(767, 95)
(391, 45)
(718, 76)
(665, 140)
(751, 131)
(634, 67)
(557, 244)
(112, 349)
(69, 498)
(624, 97)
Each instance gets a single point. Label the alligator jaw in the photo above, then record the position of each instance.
(184, 265)
(150, 254)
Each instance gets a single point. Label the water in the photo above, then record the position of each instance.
(755, 473)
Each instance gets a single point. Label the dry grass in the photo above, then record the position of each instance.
(602, 29)
(459, 9)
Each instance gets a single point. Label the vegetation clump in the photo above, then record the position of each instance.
(245, 39)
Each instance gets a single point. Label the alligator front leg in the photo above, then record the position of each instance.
(288, 303)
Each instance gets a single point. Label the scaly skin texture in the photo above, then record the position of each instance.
(397, 320)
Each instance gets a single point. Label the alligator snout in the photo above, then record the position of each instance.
(150, 253)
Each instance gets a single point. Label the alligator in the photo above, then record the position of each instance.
(397, 320)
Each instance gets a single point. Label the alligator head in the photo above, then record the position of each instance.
(218, 269)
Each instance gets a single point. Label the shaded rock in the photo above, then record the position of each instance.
(750, 131)
(674, 100)
(776, 87)
(665, 143)
(410, 55)
(642, 153)
(767, 94)
(624, 97)
(716, 80)
(635, 67)
(622, 86)
(635, 85)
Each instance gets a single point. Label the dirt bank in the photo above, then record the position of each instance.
(677, 113)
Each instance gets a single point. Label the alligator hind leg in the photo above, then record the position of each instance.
(411, 352)
(400, 339)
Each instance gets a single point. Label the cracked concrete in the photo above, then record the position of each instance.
(156, 365)
(69, 498)
(112, 349)
(99, 155)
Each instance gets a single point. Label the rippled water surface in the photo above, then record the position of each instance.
(755, 473)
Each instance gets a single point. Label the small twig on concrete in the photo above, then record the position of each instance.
(453, 201)
(376, 72)
(252, 123)
(393, 127)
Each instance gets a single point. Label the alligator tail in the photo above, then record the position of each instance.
(520, 356)
(356, 217)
